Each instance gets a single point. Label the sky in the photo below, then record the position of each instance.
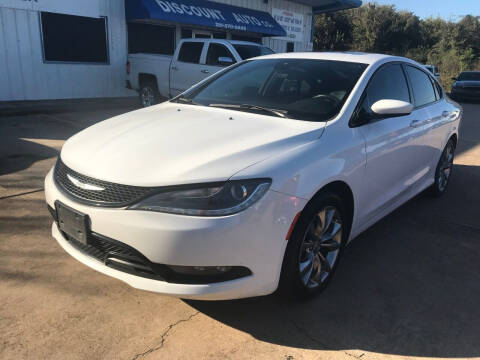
(448, 9)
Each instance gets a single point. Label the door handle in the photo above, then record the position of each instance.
(205, 71)
(446, 114)
(174, 68)
(416, 123)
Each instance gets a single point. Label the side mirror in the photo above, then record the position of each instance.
(454, 79)
(392, 108)
(437, 74)
(225, 60)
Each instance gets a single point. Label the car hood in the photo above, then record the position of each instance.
(172, 144)
(468, 83)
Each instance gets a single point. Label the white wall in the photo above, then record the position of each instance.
(275, 44)
(24, 75)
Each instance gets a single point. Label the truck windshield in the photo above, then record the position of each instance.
(250, 51)
(303, 89)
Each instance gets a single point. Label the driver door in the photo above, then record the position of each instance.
(393, 146)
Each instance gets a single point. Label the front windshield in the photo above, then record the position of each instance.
(250, 51)
(469, 76)
(303, 89)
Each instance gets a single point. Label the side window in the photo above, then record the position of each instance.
(215, 51)
(388, 83)
(422, 86)
(190, 52)
(438, 90)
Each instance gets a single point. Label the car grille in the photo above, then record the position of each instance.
(113, 195)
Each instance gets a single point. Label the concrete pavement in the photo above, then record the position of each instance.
(409, 287)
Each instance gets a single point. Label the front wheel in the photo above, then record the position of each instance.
(315, 248)
(444, 169)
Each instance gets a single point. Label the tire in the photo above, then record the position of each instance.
(311, 241)
(148, 94)
(444, 169)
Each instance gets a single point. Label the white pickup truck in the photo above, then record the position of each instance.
(166, 76)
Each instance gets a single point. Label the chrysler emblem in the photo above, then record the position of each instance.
(83, 185)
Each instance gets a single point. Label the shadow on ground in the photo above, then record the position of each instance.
(407, 286)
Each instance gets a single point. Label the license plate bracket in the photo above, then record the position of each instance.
(72, 222)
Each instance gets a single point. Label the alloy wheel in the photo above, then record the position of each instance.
(445, 169)
(148, 96)
(320, 247)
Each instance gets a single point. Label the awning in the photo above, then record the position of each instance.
(204, 13)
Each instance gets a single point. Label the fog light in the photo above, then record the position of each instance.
(205, 274)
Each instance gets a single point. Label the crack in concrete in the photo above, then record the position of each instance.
(21, 194)
(164, 337)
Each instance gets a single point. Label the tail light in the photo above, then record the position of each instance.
(128, 67)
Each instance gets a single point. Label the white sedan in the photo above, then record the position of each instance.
(255, 179)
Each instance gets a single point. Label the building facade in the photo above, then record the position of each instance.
(64, 49)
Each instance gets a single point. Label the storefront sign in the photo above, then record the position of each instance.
(204, 13)
(291, 22)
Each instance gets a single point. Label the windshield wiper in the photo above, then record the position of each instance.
(276, 112)
(184, 100)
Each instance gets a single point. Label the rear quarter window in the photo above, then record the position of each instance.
(422, 86)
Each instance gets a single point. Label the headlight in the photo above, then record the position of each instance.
(208, 199)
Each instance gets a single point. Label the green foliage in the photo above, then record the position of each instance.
(452, 47)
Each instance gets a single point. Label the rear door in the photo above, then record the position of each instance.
(186, 68)
(436, 113)
(394, 157)
(215, 52)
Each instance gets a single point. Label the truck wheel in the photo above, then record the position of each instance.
(148, 94)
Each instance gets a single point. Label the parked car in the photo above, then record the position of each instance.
(256, 178)
(466, 86)
(165, 76)
(433, 69)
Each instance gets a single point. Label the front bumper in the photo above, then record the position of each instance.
(254, 238)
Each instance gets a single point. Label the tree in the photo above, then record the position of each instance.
(452, 47)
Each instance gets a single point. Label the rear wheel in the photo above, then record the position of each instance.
(149, 93)
(444, 169)
(315, 248)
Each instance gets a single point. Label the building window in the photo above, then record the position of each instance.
(186, 33)
(151, 39)
(219, 35)
(71, 38)
(290, 46)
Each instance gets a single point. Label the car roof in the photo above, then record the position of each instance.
(347, 56)
(470, 72)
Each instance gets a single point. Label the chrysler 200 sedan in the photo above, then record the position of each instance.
(254, 180)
